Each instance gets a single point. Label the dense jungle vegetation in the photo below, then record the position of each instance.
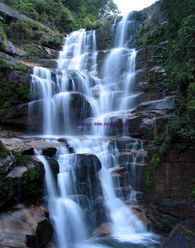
(64, 15)
(177, 58)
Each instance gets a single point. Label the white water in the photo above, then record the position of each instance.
(77, 73)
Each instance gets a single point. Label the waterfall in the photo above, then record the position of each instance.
(76, 103)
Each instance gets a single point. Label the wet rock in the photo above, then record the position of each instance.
(100, 211)
(13, 50)
(142, 125)
(103, 230)
(182, 236)
(46, 151)
(42, 237)
(171, 180)
(9, 59)
(182, 209)
(140, 214)
(79, 108)
(48, 63)
(19, 223)
(54, 165)
(160, 222)
(22, 183)
(147, 124)
(13, 144)
(44, 232)
(88, 164)
(17, 172)
(167, 103)
(104, 39)
(64, 142)
(50, 151)
(19, 77)
(86, 172)
(6, 160)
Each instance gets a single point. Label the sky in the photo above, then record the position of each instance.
(127, 5)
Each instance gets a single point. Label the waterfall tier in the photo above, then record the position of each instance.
(75, 102)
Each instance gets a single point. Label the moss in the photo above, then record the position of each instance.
(176, 57)
(4, 64)
(6, 89)
(29, 186)
(3, 36)
(70, 15)
(162, 142)
(20, 158)
(22, 92)
(6, 104)
(51, 41)
(148, 178)
(32, 183)
(21, 67)
(155, 160)
(193, 192)
(33, 174)
(23, 30)
(8, 189)
(3, 152)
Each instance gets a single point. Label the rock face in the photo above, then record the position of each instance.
(20, 50)
(11, 14)
(21, 173)
(88, 166)
(182, 236)
(22, 225)
(172, 180)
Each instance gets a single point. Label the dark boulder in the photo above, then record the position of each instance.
(182, 236)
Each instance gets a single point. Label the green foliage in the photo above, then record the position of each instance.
(33, 174)
(6, 104)
(163, 143)
(155, 160)
(22, 30)
(3, 152)
(177, 58)
(4, 64)
(148, 178)
(3, 35)
(22, 92)
(193, 189)
(65, 15)
(30, 185)
(152, 35)
(20, 158)
(8, 188)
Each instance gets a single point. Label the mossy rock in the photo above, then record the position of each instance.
(29, 187)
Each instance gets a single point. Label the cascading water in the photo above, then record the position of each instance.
(67, 90)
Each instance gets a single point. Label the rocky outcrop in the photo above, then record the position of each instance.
(10, 14)
(172, 185)
(24, 227)
(182, 236)
(86, 171)
(21, 173)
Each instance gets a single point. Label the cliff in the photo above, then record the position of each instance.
(163, 119)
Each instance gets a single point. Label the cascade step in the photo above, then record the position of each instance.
(118, 170)
(124, 189)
